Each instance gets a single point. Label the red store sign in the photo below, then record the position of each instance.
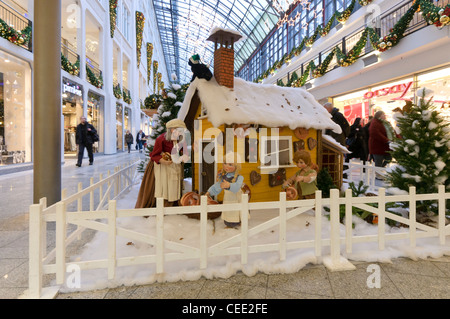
(401, 89)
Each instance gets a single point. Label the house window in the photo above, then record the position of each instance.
(276, 151)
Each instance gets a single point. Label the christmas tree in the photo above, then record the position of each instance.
(172, 100)
(421, 151)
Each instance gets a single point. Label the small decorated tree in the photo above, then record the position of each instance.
(422, 152)
(172, 100)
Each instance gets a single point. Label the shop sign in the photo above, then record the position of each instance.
(72, 89)
(401, 89)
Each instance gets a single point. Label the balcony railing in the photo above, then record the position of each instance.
(11, 18)
(383, 26)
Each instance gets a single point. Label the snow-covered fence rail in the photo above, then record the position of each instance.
(100, 195)
(165, 250)
(367, 172)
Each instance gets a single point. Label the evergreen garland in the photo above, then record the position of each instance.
(93, 79)
(21, 37)
(127, 96)
(72, 68)
(323, 67)
(117, 91)
(435, 15)
(149, 61)
(112, 16)
(352, 55)
(140, 22)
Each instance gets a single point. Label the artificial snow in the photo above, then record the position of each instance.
(263, 104)
(185, 231)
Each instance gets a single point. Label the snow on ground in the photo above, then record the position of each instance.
(181, 229)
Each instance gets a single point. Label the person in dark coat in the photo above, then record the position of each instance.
(129, 140)
(140, 139)
(356, 141)
(340, 120)
(378, 140)
(199, 69)
(85, 136)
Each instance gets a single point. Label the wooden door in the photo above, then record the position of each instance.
(207, 168)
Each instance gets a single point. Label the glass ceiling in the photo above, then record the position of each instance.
(184, 26)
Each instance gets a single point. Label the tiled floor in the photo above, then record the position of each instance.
(401, 279)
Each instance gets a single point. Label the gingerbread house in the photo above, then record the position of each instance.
(263, 124)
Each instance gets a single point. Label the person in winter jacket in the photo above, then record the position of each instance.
(340, 120)
(379, 131)
(85, 135)
(140, 139)
(356, 142)
(129, 139)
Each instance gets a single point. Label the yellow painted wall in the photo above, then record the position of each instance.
(261, 191)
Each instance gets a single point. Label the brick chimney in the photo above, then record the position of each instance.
(224, 56)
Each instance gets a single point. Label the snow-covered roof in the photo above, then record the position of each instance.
(263, 104)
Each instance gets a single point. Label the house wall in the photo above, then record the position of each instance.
(261, 191)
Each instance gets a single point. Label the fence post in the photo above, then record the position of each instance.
(91, 195)
(348, 220)
(159, 235)
(282, 226)
(381, 217)
(203, 226)
(112, 235)
(35, 252)
(412, 216)
(318, 230)
(61, 232)
(244, 229)
(441, 207)
(335, 262)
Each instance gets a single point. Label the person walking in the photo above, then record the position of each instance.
(356, 142)
(379, 139)
(140, 138)
(129, 139)
(340, 120)
(86, 135)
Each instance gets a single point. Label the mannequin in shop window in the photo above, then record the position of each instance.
(85, 137)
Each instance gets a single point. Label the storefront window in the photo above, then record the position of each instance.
(438, 82)
(127, 119)
(72, 109)
(95, 113)
(119, 127)
(385, 97)
(15, 110)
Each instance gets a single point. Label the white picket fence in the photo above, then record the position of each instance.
(100, 194)
(105, 220)
(367, 172)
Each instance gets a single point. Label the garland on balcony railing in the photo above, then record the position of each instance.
(72, 68)
(127, 96)
(433, 15)
(354, 53)
(365, 2)
(21, 37)
(112, 16)
(117, 91)
(140, 22)
(343, 16)
(321, 69)
(149, 61)
(93, 79)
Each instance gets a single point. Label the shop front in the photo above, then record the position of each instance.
(15, 110)
(392, 95)
(119, 127)
(72, 110)
(95, 116)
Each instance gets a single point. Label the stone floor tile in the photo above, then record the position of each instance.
(313, 281)
(413, 286)
(218, 289)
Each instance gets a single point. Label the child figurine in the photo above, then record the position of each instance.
(305, 179)
(229, 180)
